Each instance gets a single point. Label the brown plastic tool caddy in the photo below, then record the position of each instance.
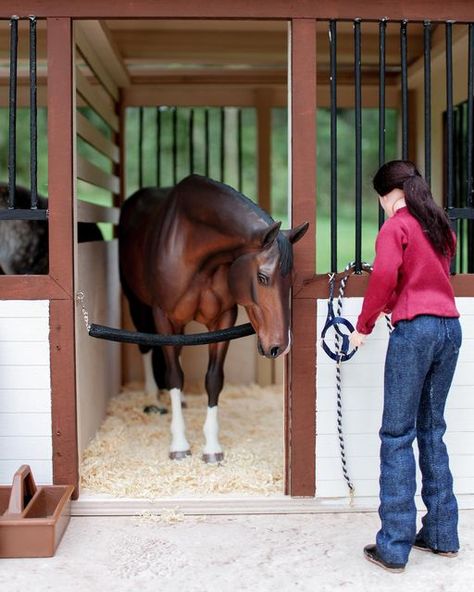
(32, 519)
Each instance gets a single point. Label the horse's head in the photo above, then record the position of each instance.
(260, 280)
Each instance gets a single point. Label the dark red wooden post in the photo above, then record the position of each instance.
(301, 385)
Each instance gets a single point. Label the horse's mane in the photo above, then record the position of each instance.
(284, 245)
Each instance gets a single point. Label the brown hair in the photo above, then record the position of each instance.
(403, 174)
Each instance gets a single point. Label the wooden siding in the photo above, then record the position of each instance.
(25, 389)
(362, 393)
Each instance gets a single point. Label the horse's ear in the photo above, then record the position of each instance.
(270, 234)
(294, 234)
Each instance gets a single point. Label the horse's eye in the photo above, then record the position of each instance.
(262, 279)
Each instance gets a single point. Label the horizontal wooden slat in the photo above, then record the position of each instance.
(88, 212)
(96, 138)
(94, 99)
(94, 62)
(30, 287)
(106, 47)
(88, 172)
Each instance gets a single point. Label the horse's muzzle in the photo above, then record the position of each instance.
(273, 351)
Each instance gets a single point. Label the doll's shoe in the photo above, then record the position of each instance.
(422, 546)
(371, 554)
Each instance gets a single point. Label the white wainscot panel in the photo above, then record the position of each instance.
(362, 401)
(25, 424)
(42, 470)
(25, 447)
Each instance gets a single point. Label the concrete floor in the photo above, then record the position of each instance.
(277, 553)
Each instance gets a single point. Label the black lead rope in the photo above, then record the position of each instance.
(153, 339)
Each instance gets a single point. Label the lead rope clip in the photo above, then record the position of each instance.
(81, 301)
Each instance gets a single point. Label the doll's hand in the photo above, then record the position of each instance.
(357, 339)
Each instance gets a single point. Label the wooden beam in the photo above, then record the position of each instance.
(244, 96)
(301, 399)
(460, 10)
(93, 59)
(93, 136)
(95, 100)
(62, 230)
(90, 173)
(89, 212)
(99, 36)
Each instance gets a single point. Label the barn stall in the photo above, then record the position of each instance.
(312, 57)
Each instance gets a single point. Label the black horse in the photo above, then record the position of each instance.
(24, 243)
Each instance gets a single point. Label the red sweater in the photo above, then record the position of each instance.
(409, 278)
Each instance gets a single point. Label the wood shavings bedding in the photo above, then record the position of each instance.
(129, 455)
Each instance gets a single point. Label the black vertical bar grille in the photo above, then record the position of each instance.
(140, 147)
(470, 117)
(427, 97)
(158, 147)
(333, 100)
(175, 145)
(222, 145)
(191, 141)
(382, 68)
(239, 151)
(33, 117)
(449, 116)
(469, 151)
(12, 111)
(206, 143)
(404, 80)
(358, 146)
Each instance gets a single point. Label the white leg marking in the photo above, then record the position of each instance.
(151, 387)
(178, 436)
(211, 432)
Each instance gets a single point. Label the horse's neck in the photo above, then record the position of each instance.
(211, 232)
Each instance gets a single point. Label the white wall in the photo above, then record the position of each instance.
(362, 394)
(98, 361)
(25, 389)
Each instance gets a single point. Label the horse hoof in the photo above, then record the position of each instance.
(213, 458)
(179, 455)
(155, 409)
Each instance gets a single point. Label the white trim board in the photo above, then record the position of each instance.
(90, 504)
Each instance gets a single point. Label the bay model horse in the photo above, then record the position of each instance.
(194, 253)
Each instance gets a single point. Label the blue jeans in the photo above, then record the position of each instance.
(419, 367)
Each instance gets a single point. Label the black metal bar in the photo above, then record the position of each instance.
(449, 115)
(358, 147)
(206, 142)
(191, 141)
(427, 97)
(382, 66)
(23, 214)
(404, 66)
(458, 173)
(158, 147)
(140, 147)
(239, 150)
(12, 111)
(333, 103)
(222, 144)
(460, 213)
(470, 117)
(33, 117)
(175, 145)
